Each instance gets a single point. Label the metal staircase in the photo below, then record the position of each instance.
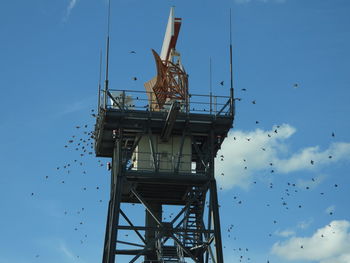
(193, 219)
(170, 254)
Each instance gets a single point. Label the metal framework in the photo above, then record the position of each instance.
(195, 230)
(171, 83)
(200, 123)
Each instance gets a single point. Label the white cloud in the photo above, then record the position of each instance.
(69, 8)
(251, 153)
(292, 231)
(329, 244)
(345, 258)
(311, 183)
(303, 159)
(285, 233)
(305, 224)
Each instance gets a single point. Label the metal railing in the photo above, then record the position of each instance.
(127, 100)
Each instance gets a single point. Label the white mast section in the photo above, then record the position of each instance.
(169, 34)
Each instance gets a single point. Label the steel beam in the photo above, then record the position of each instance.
(183, 137)
(215, 204)
(117, 175)
(170, 120)
(153, 151)
(133, 227)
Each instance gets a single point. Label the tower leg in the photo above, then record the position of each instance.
(214, 203)
(216, 222)
(150, 234)
(114, 203)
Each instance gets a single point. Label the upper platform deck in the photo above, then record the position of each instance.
(132, 112)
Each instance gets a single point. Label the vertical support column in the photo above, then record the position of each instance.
(153, 151)
(151, 233)
(179, 158)
(214, 202)
(199, 220)
(209, 225)
(117, 178)
(232, 100)
(216, 222)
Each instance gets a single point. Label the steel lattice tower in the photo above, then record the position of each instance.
(163, 155)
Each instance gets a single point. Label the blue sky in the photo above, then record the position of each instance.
(49, 74)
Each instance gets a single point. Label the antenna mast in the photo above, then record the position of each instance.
(107, 52)
(210, 85)
(99, 84)
(231, 73)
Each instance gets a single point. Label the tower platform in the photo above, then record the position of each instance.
(163, 157)
(203, 115)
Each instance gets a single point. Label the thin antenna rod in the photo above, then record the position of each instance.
(210, 76)
(109, 17)
(107, 51)
(231, 72)
(210, 84)
(100, 76)
(99, 84)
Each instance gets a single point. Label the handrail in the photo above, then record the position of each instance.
(125, 100)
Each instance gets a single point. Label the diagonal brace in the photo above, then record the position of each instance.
(131, 224)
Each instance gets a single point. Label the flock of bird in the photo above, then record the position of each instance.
(288, 190)
(79, 147)
(82, 144)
